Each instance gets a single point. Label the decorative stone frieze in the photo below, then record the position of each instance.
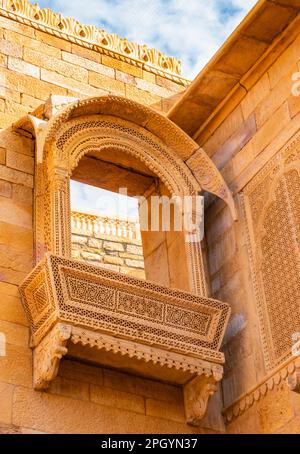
(91, 37)
(112, 319)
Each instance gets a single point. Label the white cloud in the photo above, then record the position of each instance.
(192, 30)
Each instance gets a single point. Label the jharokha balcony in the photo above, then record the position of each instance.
(165, 326)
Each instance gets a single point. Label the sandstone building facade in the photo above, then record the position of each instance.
(91, 344)
(116, 244)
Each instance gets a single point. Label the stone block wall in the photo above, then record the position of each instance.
(115, 245)
(88, 399)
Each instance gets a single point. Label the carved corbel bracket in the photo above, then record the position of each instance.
(37, 127)
(56, 103)
(196, 396)
(47, 355)
(210, 179)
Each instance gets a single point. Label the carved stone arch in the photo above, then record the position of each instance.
(80, 135)
(138, 130)
(123, 108)
(174, 138)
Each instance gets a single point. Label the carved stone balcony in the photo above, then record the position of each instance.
(113, 320)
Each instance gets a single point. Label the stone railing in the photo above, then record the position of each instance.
(89, 224)
(98, 315)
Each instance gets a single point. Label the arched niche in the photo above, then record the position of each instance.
(97, 125)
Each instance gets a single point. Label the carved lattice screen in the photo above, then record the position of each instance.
(273, 219)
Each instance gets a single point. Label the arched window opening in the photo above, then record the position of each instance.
(116, 185)
(106, 229)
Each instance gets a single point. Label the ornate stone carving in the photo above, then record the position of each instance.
(70, 303)
(294, 381)
(80, 136)
(47, 355)
(87, 133)
(155, 325)
(196, 396)
(145, 117)
(92, 37)
(147, 354)
(271, 210)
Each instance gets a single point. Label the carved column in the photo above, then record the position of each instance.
(40, 214)
(196, 264)
(60, 211)
(194, 233)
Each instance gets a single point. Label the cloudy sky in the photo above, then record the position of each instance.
(191, 30)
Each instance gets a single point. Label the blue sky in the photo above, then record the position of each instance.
(191, 30)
